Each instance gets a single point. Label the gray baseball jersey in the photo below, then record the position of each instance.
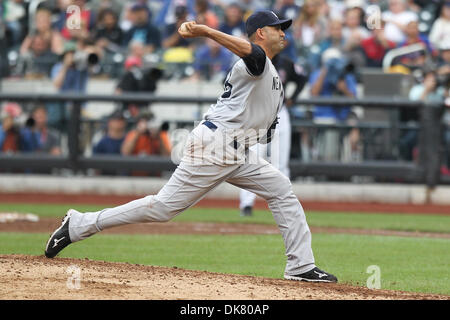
(248, 101)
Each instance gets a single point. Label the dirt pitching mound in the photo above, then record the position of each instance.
(48, 225)
(36, 277)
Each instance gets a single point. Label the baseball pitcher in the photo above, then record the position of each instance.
(217, 150)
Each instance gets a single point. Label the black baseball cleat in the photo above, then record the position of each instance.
(247, 211)
(314, 275)
(60, 238)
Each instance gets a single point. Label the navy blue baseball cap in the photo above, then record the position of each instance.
(264, 18)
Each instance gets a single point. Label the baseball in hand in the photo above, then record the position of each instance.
(183, 27)
(188, 30)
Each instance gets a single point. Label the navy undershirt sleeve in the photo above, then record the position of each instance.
(256, 60)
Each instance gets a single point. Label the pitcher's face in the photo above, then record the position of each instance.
(275, 38)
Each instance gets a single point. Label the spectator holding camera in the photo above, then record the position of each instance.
(9, 135)
(37, 136)
(137, 79)
(130, 82)
(334, 78)
(143, 141)
(71, 74)
(9, 132)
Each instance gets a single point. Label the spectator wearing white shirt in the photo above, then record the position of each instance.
(397, 19)
(440, 31)
(310, 27)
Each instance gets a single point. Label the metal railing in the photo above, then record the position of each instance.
(425, 171)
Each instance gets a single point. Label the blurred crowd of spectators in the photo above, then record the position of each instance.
(106, 33)
(142, 137)
(136, 42)
(35, 136)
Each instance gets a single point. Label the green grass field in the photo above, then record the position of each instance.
(401, 222)
(410, 264)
